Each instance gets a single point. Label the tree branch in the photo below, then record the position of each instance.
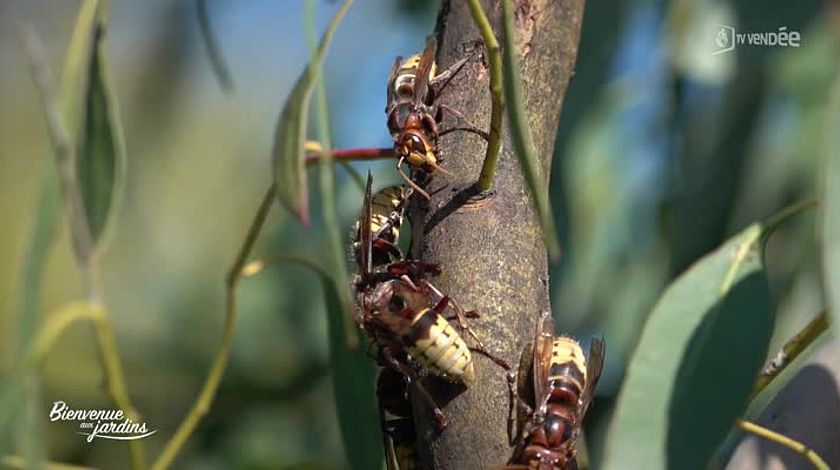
(491, 248)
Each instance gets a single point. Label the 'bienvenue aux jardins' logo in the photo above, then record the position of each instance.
(104, 424)
(727, 38)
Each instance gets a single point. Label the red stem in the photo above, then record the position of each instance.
(343, 155)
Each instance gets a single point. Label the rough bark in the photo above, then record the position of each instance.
(490, 246)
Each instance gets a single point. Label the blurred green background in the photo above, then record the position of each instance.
(664, 150)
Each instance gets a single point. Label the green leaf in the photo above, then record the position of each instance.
(760, 402)
(40, 239)
(520, 132)
(75, 75)
(101, 158)
(353, 374)
(831, 211)
(90, 113)
(337, 255)
(696, 361)
(220, 69)
(290, 135)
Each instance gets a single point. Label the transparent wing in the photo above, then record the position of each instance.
(543, 338)
(594, 366)
(366, 238)
(424, 68)
(392, 77)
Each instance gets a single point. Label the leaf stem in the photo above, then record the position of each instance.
(784, 441)
(315, 153)
(791, 350)
(65, 155)
(772, 223)
(65, 152)
(494, 56)
(16, 461)
(214, 377)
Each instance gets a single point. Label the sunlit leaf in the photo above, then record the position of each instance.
(696, 361)
(520, 132)
(290, 136)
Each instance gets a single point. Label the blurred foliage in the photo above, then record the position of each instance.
(664, 152)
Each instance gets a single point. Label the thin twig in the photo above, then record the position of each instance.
(791, 350)
(315, 154)
(784, 441)
(65, 154)
(214, 377)
(16, 461)
(254, 267)
(55, 324)
(494, 57)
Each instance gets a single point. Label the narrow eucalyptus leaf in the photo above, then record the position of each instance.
(520, 132)
(353, 374)
(75, 75)
(290, 136)
(831, 212)
(101, 157)
(693, 351)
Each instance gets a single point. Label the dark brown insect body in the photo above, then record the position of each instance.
(563, 381)
(413, 116)
(400, 311)
(398, 433)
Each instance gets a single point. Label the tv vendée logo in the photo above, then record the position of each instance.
(727, 38)
(105, 424)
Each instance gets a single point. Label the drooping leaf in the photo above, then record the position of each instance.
(90, 114)
(41, 236)
(337, 255)
(352, 370)
(831, 211)
(353, 375)
(290, 136)
(696, 361)
(208, 37)
(101, 158)
(520, 132)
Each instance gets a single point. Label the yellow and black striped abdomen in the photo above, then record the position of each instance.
(567, 372)
(403, 85)
(433, 343)
(386, 208)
